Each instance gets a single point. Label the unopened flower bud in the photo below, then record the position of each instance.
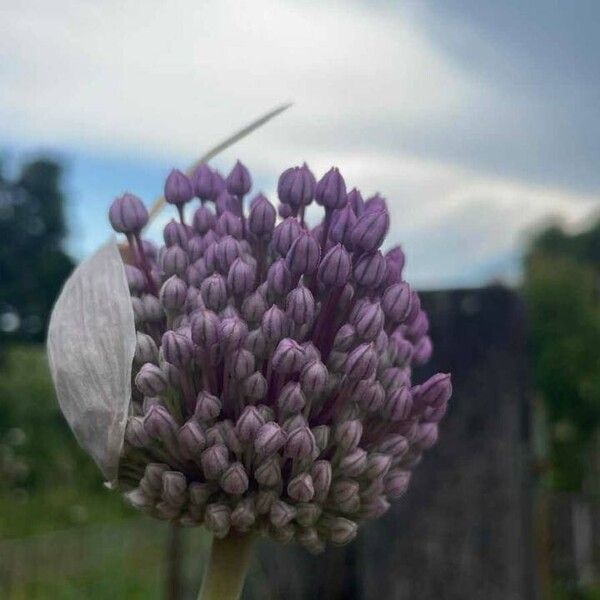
(336, 266)
(214, 292)
(398, 405)
(146, 350)
(135, 434)
(173, 294)
(435, 391)
(269, 439)
(268, 472)
(254, 307)
(395, 445)
(243, 516)
(354, 463)
(178, 188)
(177, 349)
(423, 350)
(321, 475)
(296, 186)
(427, 435)
(300, 305)
(217, 519)
(369, 321)
(342, 224)
(322, 434)
(208, 407)
(370, 230)
(229, 224)
(303, 256)
(330, 191)
(128, 214)
(238, 181)
(281, 513)
(375, 508)
(235, 480)
(261, 221)
(203, 182)
(151, 482)
(174, 487)
(419, 327)
(255, 386)
(341, 531)
(288, 357)
(435, 415)
(159, 424)
(232, 332)
(175, 234)
(344, 494)
(291, 400)
(136, 280)
(378, 465)
(375, 203)
(301, 488)
(279, 278)
(348, 434)
(313, 378)
(150, 380)
(300, 444)
(369, 395)
(396, 483)
(242, 363)
(308, 513)
(284, 235)
(274, 325)
(256, 342)
(370, 270)
(344, 338)
(361, 362)
(215, 461)
(191, 440)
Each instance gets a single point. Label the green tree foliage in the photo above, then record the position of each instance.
(33, 264)
(561, 291)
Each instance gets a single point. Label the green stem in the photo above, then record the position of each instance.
(226, 569)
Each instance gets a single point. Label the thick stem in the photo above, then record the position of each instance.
(226, 569)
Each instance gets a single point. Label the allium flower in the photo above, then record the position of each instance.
(267, 386)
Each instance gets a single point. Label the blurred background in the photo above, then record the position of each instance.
(479, 121)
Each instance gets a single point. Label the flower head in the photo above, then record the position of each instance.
(272, 363)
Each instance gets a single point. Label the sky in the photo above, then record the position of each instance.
(477, 120)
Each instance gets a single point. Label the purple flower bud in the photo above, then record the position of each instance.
(361, 362)
(419, 327)
(205, 328)
(145, 349)
(204, 220)
(235, 480)
(214, 292)
(218, 183)
(370, 230)
(300, 305)
(256, 342)
(150, 308)
(281, 513)
(369, 321)
(423, 351)
(344, 494)
(344, 338)
(395, 445)
(300, 444)
(266, 412)
(427, 435)
(208, 407)
(435, 415)
(255, 386)
(321, 474)
(400, 349)
(268, 472)
(288, 357)
(242, 363)
(239, 181)
(191, 440)
(241, 277)
(313, 378)
(254, 307)
(128, 214)
(226, 251)
(355, 200)
(285, 211)
(215, 461)
(308, 514)
(375, 508)
(196, 248)
(203, 182)
(396, 483)
(335, 267)
(376, 203)
(279, 278)
(396, 302)
(291, 400)
(369, 395)
(274, 324)
(415, 307)
(174, 487)
(330, 191)
(435, 392)
(370, 270)
(217, 519)
(348, 434)
(159, 424)
(296, 186)
(232, 332)
(377, 465)
(395, 261)
(248, 424)
(174, 261)
(301, 488)
(284, 235)
(175, 234)
(177, 349)
(261, 221)
(392, 378)
(269, 439)
(150, 380)
(136, 280)
(178, 188)
(135, 434)
(354, 464)
(229, 224)
(173, 295)
(342, 531)
(342, 224)
(398, 405)
(303, 256)
(243, 516)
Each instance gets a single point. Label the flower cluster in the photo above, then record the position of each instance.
(272, 375)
